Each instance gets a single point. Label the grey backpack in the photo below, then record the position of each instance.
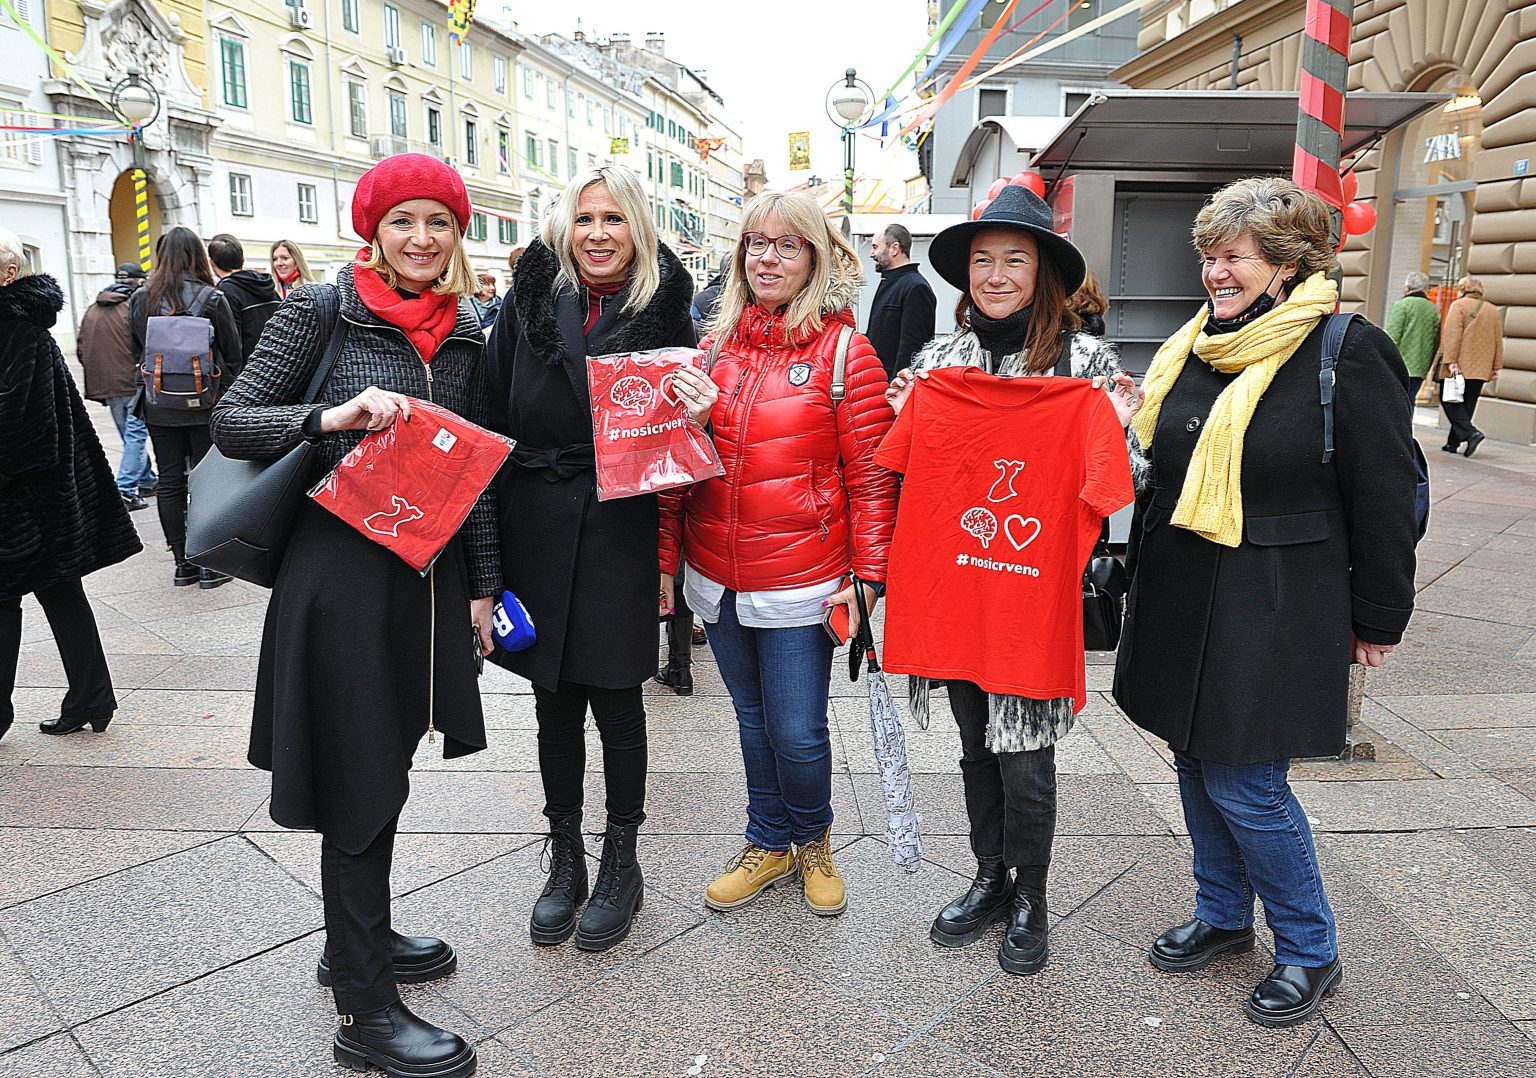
(180, 373)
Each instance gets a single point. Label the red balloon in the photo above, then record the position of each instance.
(980, 207)
(1035, 182)
(1359, 218)
(996, 188)
(1019, 179)
(1351, 184)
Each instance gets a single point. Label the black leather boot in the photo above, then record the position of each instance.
(677, 675)
(402, 1044)
(1024, 944)
(984, 903)
(1291, 994)
(1191, 945)
(554, 914)
(417, 959)
(618, 894)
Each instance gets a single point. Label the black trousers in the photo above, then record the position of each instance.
(1010, 797)
(1460, 412)
(177, 451)
(355, 887)
(74, 632)
(1414, 385)
(620, 717)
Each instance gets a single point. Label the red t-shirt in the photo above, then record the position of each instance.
(1007, 484)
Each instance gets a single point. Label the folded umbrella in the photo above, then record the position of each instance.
(902, 820)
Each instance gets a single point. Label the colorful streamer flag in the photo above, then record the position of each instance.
(799, 151)
(1322, 83)
(461, 15)
(618, 146)
(707, 146)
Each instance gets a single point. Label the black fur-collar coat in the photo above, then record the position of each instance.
(587, 570)
(61, 516)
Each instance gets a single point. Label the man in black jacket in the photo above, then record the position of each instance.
(901, 316)
(250, 294)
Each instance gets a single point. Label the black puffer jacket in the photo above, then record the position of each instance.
(61, 516)
(262, 415)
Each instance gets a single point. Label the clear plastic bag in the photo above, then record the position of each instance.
(643, 437)
(410, 486)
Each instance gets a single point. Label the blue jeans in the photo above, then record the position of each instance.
(1251, 835)
(135, 471)
(779, 680)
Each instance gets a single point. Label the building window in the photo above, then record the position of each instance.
(650, 165)
(1072, 100)
(570, 102)
(471, 143)
(591, 111)
(299, 93)
(554, 157)
(233, 54)
(570, 162)
(499, 74)
(357, 108)
(240, 195)
(350, 16)
(398, 126)
(531, 150)
(607, 121)
(466, 61)
(993, 102)
(528, 83)
(506, 230)
(435, 127)
(309, 204)
(429, 44)
(677, 174)
(391, 27)
(549, 93)
(477, 225)
(503, 150)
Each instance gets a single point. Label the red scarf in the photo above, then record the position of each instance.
(595, 294)
(426, 320)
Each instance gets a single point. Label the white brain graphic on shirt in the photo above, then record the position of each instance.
(633, 393)
(980, 523)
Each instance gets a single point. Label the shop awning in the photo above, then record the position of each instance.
(1241, 131)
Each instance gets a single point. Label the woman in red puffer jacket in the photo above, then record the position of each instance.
(767, 546)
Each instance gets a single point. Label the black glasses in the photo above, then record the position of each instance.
(788, 246)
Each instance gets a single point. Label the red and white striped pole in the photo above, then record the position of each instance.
(1322, 83)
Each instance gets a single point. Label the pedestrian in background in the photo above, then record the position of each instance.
(1413, 323)
(289, 267)
(707, 301)
(251, 293)
(1471, 345)
(1261, 569)
(767, 547)
(104, 347)
(485, 301)
(60, 514)
(596, 282)
(182, 280)
(1090, 305)
(901, 316)
(362, 655)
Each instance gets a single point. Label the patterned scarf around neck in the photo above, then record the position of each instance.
(1211, 502)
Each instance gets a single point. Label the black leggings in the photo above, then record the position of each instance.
(177, 451)
(1010, 797)
(620, 716)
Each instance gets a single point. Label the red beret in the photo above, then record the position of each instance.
(401, 178)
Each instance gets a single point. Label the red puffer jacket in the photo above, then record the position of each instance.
(801, 500)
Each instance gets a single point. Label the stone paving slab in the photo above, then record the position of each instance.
(57, 858)
(57, 1057)
(146, 798)
(26, 1014)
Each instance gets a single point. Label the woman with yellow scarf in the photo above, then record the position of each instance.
(1261, 569)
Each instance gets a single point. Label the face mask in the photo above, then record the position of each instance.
(1263, 305)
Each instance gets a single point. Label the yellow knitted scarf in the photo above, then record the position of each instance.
(1211, 503)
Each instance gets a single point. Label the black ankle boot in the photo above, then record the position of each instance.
(417, 960)
(1024, 944)
(618, 894)
(677, 675)
(984, 903)
(400, 1043)
(554, 914)
(186, 574)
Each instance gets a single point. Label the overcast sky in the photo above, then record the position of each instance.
(772, 62)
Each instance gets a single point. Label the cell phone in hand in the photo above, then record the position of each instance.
(835, 622)
(479, 652)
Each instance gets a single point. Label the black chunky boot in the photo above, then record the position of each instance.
(403, 1045)
(984, 903)
(618, 894)
(1024, 944)
(677, 675)
(554, 914)
(417, 960)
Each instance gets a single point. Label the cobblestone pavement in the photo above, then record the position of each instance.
(154, 923)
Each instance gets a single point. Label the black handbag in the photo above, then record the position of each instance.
(240, 513)
(1104, 586)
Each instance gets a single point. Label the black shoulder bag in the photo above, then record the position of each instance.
(240, 513)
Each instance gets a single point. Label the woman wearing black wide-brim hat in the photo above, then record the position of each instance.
(1016, 274)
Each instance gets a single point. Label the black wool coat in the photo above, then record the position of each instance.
(901, 317)
(61, 516)
(1241, 655)
(587, 570)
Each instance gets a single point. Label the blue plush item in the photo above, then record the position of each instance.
(510, 623)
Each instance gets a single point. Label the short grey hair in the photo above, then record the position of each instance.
(12, 253)
(625, 187)
(1416, 281)
(1289, 224)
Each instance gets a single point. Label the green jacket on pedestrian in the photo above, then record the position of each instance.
(1413, 323)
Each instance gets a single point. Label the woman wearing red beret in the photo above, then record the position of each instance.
(361, 654)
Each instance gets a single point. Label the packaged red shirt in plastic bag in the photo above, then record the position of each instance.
(409, 486)
(644, 439)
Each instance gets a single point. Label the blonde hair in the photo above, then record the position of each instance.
(458, 279)
(560, 226)
(834, 266)
(299, 262)
(1470, 286)
(1288, 223)
(12, 253)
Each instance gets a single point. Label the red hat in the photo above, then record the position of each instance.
(401, 178)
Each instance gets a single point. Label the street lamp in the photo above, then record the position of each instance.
(848, 101)
(138, 102)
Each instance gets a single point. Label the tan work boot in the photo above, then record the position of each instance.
(824, 890)
(747, 875)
